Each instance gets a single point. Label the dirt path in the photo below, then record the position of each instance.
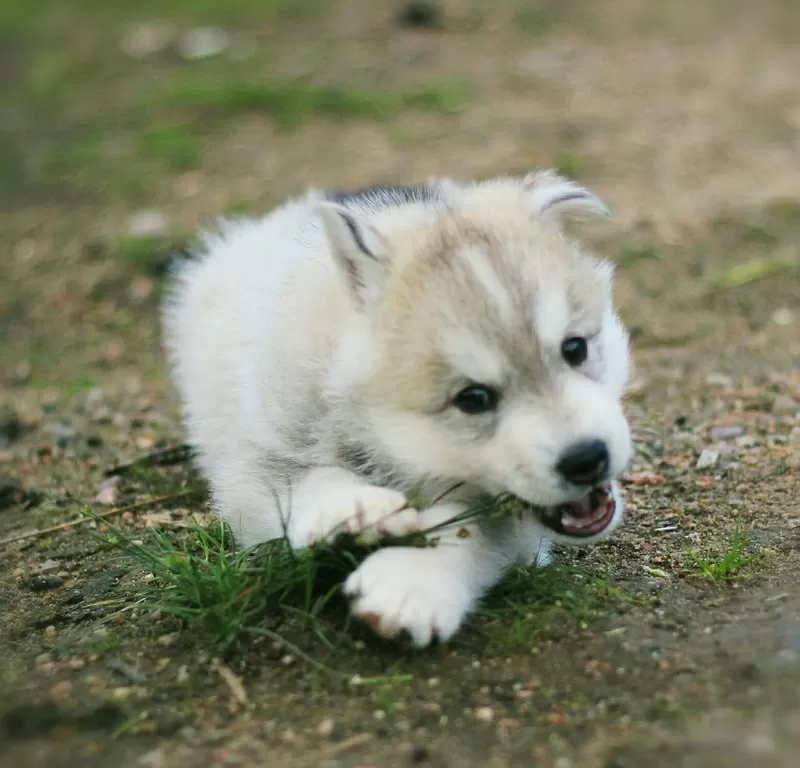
(686, 121)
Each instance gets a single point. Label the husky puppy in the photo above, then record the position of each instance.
(348, 348)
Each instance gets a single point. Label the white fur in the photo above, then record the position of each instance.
(316, 352)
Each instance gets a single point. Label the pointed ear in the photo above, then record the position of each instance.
(553, 195)
(358, 249)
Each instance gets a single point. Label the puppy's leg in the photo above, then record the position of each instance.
(327, 502)
(428, 591)
(262, 502)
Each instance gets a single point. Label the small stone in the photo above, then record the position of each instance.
(141, 289)
(156, 758)
(719, 380)
(108, 491)
(61, 690)
(783, 316)
(141, 41)
(203, 43)
(147, 223)
(292, 739)
(325, 728)
(288, 660)
(47, 566)
(726, 433)
(644, 479)
(708, 459)
(21, 374)
(484, 714)
(45, 582)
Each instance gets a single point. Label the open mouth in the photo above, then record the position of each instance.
(585, 517)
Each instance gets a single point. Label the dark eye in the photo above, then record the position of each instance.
(476, 399)
(575, 351)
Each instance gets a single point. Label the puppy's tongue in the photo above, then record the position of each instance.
(588, 515)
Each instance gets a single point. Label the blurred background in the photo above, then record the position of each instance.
(126, 126)
(140, 120)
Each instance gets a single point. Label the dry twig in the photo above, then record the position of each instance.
(107, 513)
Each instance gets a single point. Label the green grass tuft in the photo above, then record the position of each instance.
(546, 602)
(229, 596)
(730, 564)
(174, 145)
(293, 104)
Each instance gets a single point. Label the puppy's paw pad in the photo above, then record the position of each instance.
(417, 592)
(367, 511)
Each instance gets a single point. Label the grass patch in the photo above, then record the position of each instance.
(103, 644)
(538, 20)
(727, 566)
(294, 104)
(18, 15)
(632, 255)
(174, 145)
(151, 253)
(568, 164)
(756, 270)
(546, 602)
(231, 596)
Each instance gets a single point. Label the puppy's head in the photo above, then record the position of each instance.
(488, 348)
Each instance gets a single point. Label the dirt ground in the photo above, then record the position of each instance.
(124, 131)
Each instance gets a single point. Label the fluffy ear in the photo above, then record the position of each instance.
(553, 195)
(358, 248)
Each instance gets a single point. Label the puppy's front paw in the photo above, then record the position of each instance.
(423, 592)
(367, 511)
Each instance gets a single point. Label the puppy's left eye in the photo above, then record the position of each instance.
(575, 351)
(476, 399)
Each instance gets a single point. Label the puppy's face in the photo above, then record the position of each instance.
(498, 359)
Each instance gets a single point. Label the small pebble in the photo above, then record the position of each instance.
(61, 690)
(142, 41)
(147, 223)
(325, 728)
(783, 316)
(726, 433)
(43, 583)
(484, 714)
(203, 43)
(108, 491)
(708, 459)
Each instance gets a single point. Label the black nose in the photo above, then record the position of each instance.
(584, 463)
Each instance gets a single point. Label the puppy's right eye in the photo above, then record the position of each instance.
(476, 399)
